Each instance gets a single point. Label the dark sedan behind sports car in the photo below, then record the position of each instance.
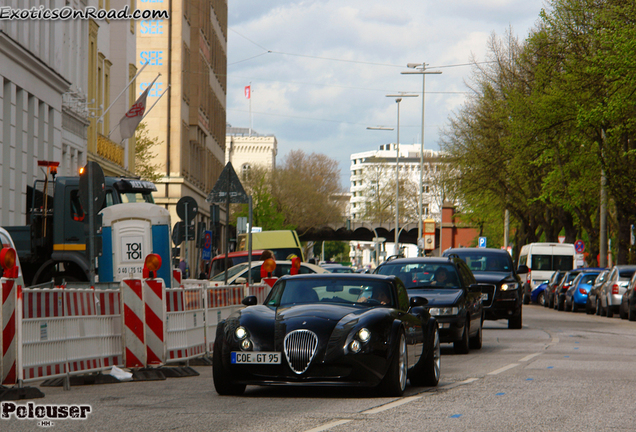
(329, 329)
(495, 267)
(455, 301)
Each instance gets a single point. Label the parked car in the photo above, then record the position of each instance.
(628, 302)
(576, 295)
(329, 329)
(238, 273)
(593, 304)
(454, 296)
(612, 291)
(495, 267)
(552, 284)
(561, 289)
(337, 268)
(217, 265)
(538, 294)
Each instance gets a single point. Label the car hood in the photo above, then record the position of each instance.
(331, 323)
(493, 277)
(436, 296)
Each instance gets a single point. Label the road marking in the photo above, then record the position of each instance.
(530, 357)
(328, 426)
(392, 405)
(503, 369)
(468, 381)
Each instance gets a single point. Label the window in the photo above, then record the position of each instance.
(245, 169)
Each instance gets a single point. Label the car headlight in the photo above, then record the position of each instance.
(444, 311)
(240, 333)
(246, 345)
(509, 286)
(355, 346)
(364, 335)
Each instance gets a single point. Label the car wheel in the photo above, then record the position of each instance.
(631, 314)
(598, 307)
(463, 346)
(394, 382)
(575, 307)
(621, 312)
(427, 371)
(222, 381)
(610, 311)
(526, 299)
(476, 341)
(541, 299)
(559, 304)
(516, 322)
(588, 308)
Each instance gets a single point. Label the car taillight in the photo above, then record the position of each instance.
(582, 290)
(615, 289)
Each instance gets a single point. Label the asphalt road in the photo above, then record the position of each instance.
(562, 372)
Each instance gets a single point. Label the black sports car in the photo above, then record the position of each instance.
(329, 329)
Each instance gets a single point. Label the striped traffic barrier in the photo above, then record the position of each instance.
(185, 322)
(69, 332)
(10, 337)
(134, 329)
(155, 320)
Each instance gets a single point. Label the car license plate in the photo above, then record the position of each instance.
(262, 357)
(484, 296)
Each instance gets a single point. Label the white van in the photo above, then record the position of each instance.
(542, 260)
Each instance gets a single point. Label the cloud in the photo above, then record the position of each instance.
(332, 63)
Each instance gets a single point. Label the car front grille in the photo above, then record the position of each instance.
(300, 348)
(491, 290)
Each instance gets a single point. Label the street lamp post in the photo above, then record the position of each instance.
(420, 70)
(398, 99)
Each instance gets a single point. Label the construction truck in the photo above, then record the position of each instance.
(54, 243)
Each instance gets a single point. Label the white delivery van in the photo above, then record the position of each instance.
(542, 260)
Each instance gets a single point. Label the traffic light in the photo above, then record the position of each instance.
(200, 234)
(178, 234)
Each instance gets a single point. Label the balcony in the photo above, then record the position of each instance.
(110, 150)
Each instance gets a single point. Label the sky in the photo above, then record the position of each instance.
(320, 70)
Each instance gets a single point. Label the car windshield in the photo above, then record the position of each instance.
(233, 271)
(588, 278)
(626, 274)
(357, 292)
(486, 261)
(423, 275)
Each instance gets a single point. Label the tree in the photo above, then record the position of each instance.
(306, 190)
(265, 214)
(144, 167)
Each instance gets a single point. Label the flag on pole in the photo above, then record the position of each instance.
(129, 122)
(248, 91)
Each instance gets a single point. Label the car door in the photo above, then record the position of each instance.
(412, 325)
(473, 299)
(607, 285)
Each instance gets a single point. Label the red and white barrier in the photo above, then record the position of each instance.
(185, 322)
(10, 338)
(69, 332)
(155, 319)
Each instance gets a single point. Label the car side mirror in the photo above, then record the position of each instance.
(250, 301)
(522, 269)
(417, 301)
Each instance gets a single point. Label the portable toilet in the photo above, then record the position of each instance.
(130, 232)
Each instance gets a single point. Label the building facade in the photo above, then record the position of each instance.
(373, 190)
(246, 148)
(190, 52)
(43, 112)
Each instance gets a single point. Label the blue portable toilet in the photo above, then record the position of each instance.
(130, 232)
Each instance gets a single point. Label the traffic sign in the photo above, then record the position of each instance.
(228, 186)
(206, 253)
(482, 242)
(187, 208)
(579, 246)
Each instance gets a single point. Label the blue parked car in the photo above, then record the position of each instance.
(538, 295)
(576, 295)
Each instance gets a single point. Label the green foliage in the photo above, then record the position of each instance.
(144, 144)
(547, 115)
(334, 251)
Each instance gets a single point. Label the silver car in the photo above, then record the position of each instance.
(612, 290)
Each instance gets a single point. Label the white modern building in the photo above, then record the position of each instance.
(246, 148)
(373, 191)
